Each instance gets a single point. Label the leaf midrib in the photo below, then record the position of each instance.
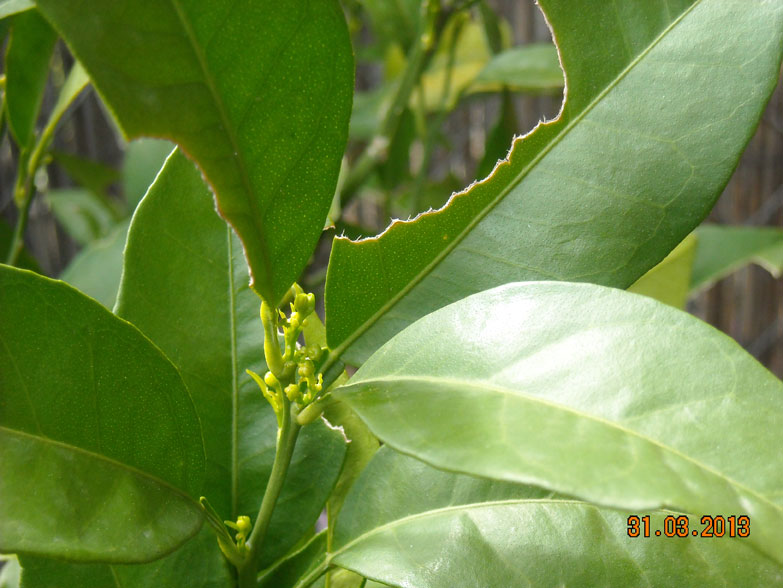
(451, 245)
(108, 460)
(234, 379)
(446, 509)
(229, 128)
(452, 382)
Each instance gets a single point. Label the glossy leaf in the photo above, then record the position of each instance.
(723, 250)
(528, 68)
(662, 97)
(87, 399)
(224, 80)
(26, 69)
(670, 281)
(408, 524)
(589, 391)
(96, 270)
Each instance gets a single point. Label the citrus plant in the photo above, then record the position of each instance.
(517, 417)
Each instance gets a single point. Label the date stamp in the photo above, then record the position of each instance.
(683, 526)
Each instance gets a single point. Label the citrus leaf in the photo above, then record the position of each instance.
(408, 524)
(662, 97)
(669, 281)
(224, 80)
(590, 391)
(86, 398)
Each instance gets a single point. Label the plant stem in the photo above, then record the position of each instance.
(286, 441)
(313, 575)
(23, 196)
(432, 23)
(433, 129)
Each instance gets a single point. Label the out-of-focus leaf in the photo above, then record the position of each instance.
(500, 137)
(471, 55)
(10, 572)
(96, 269)
(396, 168)
(722, 250)
(143, 159)
(670, 281)
(107, 414)
(529, 68)
(84, 215)
(11, 7)
(93, 175)
(394, 21)
(26, 70)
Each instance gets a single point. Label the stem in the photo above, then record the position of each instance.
(422, 51)
(286, 441)
(23, 196)
(434, 127)
(24, 189)
(313, 575)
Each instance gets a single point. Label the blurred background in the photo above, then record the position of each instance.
(438, 100)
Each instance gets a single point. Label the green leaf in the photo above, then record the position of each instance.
(529, 68)
(88, 399)
(143, 160)
(394, 22)
(93, 175)
(200, 568)
(589, 391)
(408, 524)
(11, 7)
(362, 445)
(662, 97)
(85, 216)
(723, 250)
(224, 80)
(396, 168)
(96, 270)
(213, 334)
(669, 281)
(26, 69)
(471, 54)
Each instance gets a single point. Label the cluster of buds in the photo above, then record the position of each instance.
(292, 373)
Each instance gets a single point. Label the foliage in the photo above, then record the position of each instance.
(514, 405)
